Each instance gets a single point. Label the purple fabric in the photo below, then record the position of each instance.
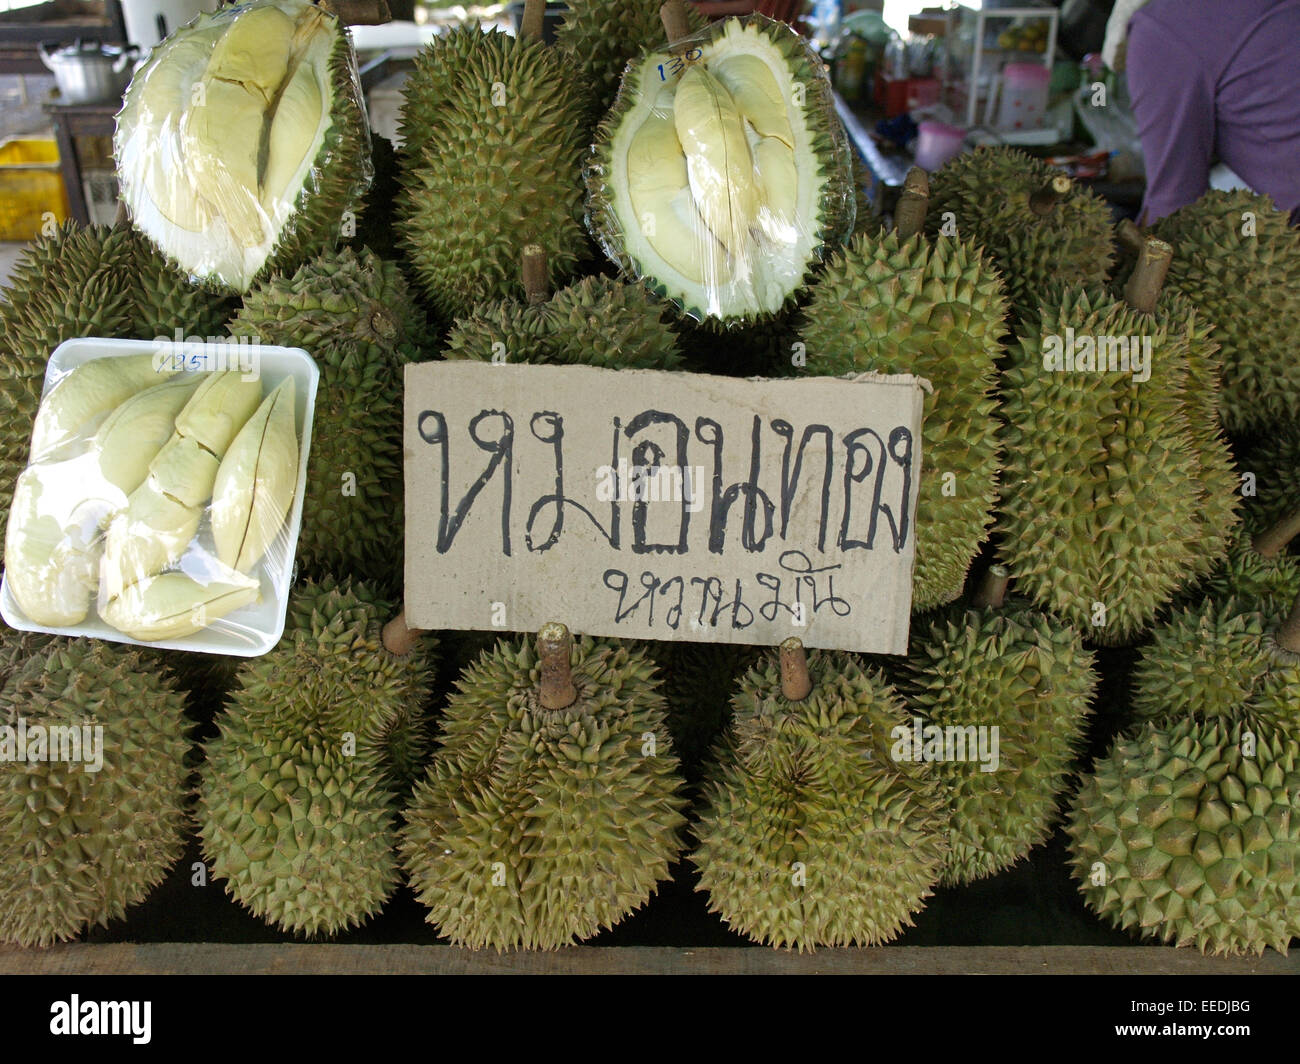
(1217, 78)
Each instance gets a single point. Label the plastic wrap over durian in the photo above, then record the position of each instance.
(722, 177)
(163, 493)
(243, 145)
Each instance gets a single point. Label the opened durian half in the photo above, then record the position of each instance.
(722, 176)
(243, 141)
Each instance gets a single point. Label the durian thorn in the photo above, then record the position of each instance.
(1288, 636)
(1130, 236)
(992, 591)
(398, 639)
(1047, 197)
(1143, 289)
(530, 26)
(673, 16)
(555, 648)
(358, 12)
(534, 273)
(1273, 541)
(909, 214)
(796, 684)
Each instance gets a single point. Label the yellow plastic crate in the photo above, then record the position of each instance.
(30, 186)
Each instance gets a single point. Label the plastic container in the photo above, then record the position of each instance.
(1024, 96)
(251, 630)
(937, 143)
(30, 186)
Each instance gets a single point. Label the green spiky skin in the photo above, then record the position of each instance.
(17, 646)
(1182, 836)
(302, 828)
(601, 37)
(865, 220)
(1218, 660)
(165, 300)
(595, 322)
(1099, 497)
(537, 828)
(78, 848)
(429, 89)
(1215, 253)
(493, 177)
(354, 314)
(813, 784)
(829, 144)
(935, 311)
(1258, 584)
(988, 192)
(1033, 680)
(1275, 461)
(302, 834)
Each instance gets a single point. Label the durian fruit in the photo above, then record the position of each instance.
(495, 130)
(166, 301)
(811, 833)
(1099, 490)
(1237, 260)
(899, 303)
(725, 181)
(552, 807)
(1040, 228)
(1027, 679)
(88, 833)
(1223, 659)
(354, 314)
(1189, 833)
(1274, 459)
(297, 795)
(594, 322)
(602, 36)
(242, 144)
(1257, 573)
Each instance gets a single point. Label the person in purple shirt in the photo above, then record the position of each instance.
(1216, 80)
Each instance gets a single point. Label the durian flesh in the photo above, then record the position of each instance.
(721, 179)
(223, 129)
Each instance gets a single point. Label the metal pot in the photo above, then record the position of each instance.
(89, 72)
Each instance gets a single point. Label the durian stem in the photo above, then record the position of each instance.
(123, 216)
(534, 271)
(555, 648)
(1128, 234)
(673, 16)
(1273, 541)
(1143, 288)
(358, 12)
(795, 681)
(530, 27)
(992, 592)
(1046, 198)
(909, 214)
(1288, 636)
(398, 639)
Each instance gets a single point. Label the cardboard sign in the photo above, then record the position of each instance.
(646, 504)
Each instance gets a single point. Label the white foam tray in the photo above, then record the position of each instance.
(256, 628)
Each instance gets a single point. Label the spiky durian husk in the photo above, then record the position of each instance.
(300, 820)
(509, 118)
(1099, 491)
(988, 191)
(429, 89)
(538, 828)
(601, 37)
(1032, 679)
(935, 311)
(1262, 585)
(1275, 460)
(1221, 242)
(17, 646)
(772, 348)
(828, 145)
(595, 322)
(78, 848)
(166, 300)
(1185, 835)
(810, 791)
(302, 833)
(354, 314)
(1218, 660)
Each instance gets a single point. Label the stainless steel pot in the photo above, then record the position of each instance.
(89, 72)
